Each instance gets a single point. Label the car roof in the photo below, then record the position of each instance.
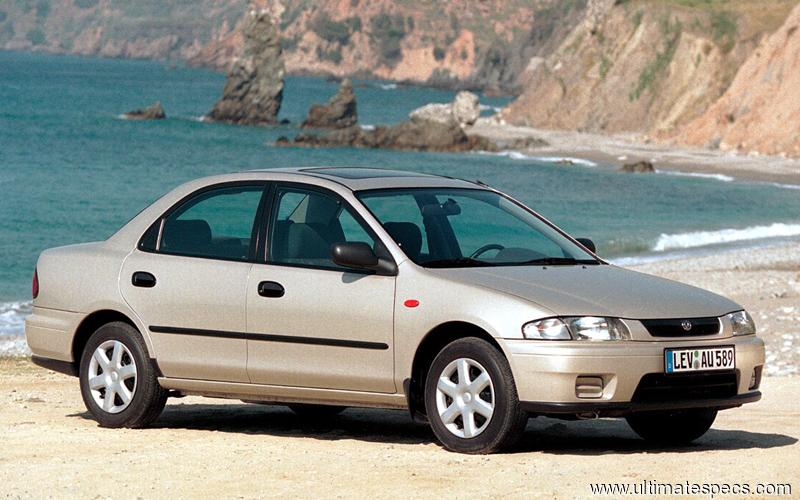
(365, 178)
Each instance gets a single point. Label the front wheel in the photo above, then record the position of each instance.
(471, 398)
(672, 427)
(118, 382)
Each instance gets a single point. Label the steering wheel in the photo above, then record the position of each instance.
(485, 248)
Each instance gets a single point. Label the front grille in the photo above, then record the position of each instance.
(697, 327)
(658, 387)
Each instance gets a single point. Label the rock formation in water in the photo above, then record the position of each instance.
(152, 112)
(339, 112)
(639, 167)
(463, 111)
(254, 88)
(409, 136)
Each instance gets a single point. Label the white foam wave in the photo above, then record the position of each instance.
(13, 347)
(387, 86)
(12, 328)
(367, 127)
(12, 317)
(486, 107)
(784, 186)
(704, 238)
(562, 160)
(719, 177)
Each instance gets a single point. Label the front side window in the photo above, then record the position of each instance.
(469, 227)
(305, 224)
(218, 223)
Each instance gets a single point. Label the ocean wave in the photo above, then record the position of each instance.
(561, 160)
(784, 186)
(12, 317)
(486, 107)
(719, 177)
(387, 86)
(705, 238)
(367, 127)
(13, 347)
(12, 328)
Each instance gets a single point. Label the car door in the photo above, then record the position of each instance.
(311, 323)
(187, 280)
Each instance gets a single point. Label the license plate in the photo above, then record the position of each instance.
(697, 359)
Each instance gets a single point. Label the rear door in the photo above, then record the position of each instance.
(311, 323)
(187, 280)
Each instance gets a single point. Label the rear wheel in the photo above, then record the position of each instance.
(118, 382)
(672, 427)
(471, 398)
(314, 411)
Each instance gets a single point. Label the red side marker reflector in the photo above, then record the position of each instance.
(411, 303)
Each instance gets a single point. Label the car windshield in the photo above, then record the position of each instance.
(469, 228)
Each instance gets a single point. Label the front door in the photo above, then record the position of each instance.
(188, 285)
(311, 323)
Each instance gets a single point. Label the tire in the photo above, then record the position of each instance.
(449, 408)
(673, 427)
(145, 397)
(316, 411)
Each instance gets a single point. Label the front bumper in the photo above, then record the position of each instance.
(551, 377)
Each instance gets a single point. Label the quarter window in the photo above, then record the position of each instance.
(218, 224)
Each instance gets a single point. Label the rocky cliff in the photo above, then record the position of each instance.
(168, 29)
(462, 43)
(760, 111)
(643, 66)
(457, 43)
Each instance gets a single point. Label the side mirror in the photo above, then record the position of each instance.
(587, 243)
(359, 255)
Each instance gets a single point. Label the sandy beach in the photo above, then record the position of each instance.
(228, 449)
(218, 449)
(618, 149)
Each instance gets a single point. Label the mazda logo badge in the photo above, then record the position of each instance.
(686, 325)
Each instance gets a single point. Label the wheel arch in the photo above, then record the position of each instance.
(432, 343)
(91, 323)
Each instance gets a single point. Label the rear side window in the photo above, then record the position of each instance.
(219, 223)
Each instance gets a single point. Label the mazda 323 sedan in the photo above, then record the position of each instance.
(323, 288)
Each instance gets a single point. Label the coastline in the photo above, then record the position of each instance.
(618, 149)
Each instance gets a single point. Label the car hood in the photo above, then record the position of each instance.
(596, 290)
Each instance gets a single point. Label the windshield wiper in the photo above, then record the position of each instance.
(458, 262)
(559, 261)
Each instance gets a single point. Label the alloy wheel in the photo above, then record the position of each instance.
(465, 397)
(112, 376)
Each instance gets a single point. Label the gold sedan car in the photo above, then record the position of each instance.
(323, 288)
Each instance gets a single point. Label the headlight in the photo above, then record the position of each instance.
(742, 323)
(578, 328)
(596, 328)
(546, 329)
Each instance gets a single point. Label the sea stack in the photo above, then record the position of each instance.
(254, 89)
(339, 112)
(153, 112)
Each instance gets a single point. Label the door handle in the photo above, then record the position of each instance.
(143, 279)
(271, 289)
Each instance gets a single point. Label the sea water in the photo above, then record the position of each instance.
(72, 170)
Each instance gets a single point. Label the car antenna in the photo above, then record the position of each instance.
(481, 183)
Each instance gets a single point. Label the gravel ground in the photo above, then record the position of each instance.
(213, 448)
(766, 281)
